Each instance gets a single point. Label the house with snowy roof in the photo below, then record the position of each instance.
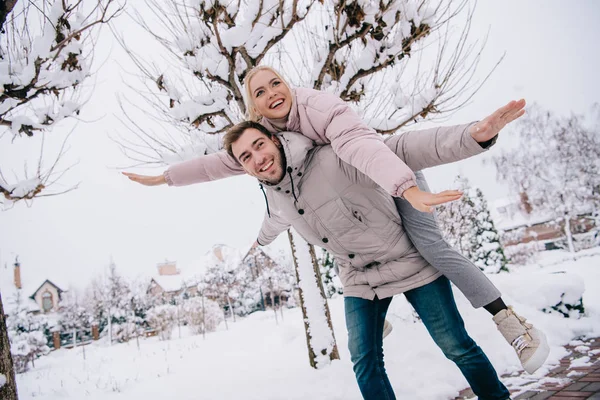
(39, 295)
(515, 215)
(170, 283)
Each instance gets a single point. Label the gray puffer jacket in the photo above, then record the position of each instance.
(333, 205)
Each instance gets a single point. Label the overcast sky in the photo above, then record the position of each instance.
(552, 58)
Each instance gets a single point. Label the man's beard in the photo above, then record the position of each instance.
(283, 168)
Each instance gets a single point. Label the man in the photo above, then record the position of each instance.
(335, 206)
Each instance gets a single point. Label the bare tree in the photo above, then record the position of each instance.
(397, 61)
(46, 51)
(555, 166)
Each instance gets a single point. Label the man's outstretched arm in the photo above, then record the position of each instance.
(206, 168)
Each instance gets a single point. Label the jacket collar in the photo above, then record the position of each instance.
(296, 149)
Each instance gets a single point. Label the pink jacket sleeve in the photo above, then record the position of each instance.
(203, 169)
(357, 144)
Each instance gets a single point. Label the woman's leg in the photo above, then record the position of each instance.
(529, 342)
(364, 320)
(423, 231)
(435, 305)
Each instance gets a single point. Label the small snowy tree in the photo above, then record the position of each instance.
(26, 334)
(109, 300)
(467, 225)
(223, 277)
(162, 319)
(45, 56)
(556, 163)
(202, 315)
(73, 316)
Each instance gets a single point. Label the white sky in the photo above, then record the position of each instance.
(551, 59)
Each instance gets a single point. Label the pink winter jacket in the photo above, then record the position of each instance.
(325, 119)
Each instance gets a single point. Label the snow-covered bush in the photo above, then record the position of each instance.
(522, 253)
(162, 319)
(202, 318)
(26, 334)
(553, 293)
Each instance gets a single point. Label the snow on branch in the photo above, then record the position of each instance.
(45, 55)
(396, 61)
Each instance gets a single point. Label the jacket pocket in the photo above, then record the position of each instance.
(355, 217)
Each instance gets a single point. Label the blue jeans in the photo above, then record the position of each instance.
(435, 305)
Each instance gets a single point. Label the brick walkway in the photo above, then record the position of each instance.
(576, 378)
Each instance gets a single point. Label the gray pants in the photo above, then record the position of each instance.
(423, 231)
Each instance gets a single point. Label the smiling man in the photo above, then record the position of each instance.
(335, 206)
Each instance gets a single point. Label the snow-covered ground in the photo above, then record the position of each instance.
(259, 359)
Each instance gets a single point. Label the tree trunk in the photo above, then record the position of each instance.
(9, 390)
(273, 300)
(569, 234)
(203, 319)
(230, 308)
(6, 7)
(109, 327)
(334, 355)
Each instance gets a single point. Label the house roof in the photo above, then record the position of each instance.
(48, 281)
(173, 283)
(29, 286)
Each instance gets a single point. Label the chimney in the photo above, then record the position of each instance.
(167, 268)
(526, 205)
(17, 272)
(218, 251)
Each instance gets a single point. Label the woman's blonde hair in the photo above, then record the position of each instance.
(251, 113)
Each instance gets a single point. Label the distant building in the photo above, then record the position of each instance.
(515, 215)
(38, 295)
(170, 283)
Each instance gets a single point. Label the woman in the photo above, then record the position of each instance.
(326, 119)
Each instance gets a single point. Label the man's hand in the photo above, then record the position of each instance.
(146, 180)
(425, 201)
(490, 126)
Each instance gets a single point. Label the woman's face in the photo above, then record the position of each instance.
(270, 95)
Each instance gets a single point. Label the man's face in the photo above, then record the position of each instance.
(259, 155)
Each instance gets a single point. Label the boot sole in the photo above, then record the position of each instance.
(539, 357)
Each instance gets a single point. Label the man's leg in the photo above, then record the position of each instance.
(423, 231)
(364, 320)
(435, 305)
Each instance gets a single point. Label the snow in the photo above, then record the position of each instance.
(2, 380)
(256, 358)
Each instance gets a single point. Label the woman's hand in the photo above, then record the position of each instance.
(425, 201)
(490, 126)
(146, 180)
